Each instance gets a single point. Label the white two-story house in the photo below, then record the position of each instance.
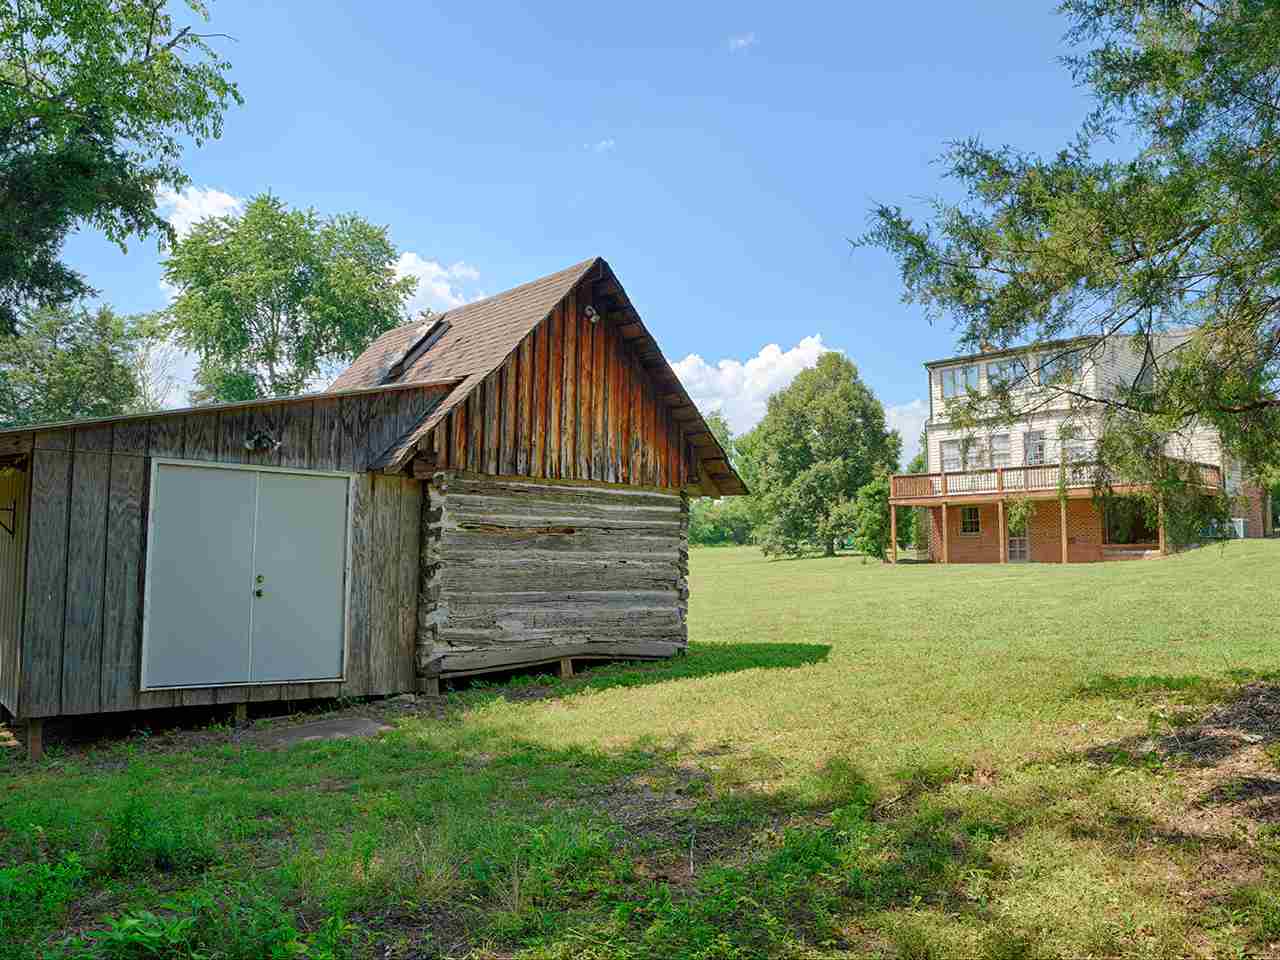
(972, 473)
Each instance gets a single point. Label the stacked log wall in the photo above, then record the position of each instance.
(518, 571)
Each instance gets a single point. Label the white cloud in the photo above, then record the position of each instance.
(187, 207)
(741, 390)
(439, 287)
(741, 41)
(601, 146)
(908, 419)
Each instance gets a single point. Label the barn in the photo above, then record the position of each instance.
(500, 486)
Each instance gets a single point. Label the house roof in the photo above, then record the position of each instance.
(471, 341)
(1013, 351)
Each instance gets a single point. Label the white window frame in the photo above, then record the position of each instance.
(1013, 371)
(956, 380)
(957, 462)
(1002, 455)
(965, 514)
(1030, 440)
(1065, 367)
(156, 463)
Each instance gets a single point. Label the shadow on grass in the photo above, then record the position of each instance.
(701, 660)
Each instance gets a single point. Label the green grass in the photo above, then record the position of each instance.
(852, 760)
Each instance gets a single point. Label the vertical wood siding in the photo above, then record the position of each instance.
(81, 609)
(572, 402)
(14, 489)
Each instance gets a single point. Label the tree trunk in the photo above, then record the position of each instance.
(831, 549)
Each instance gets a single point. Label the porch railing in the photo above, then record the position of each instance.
(999, 481)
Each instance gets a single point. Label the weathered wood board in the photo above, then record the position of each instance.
(518, 571)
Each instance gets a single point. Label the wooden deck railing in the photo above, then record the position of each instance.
(1012, 481)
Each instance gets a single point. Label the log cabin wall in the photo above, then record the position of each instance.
(573, 401)
(519, 571)
(82, 625)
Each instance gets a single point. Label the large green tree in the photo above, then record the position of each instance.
(724, 520)
(822, 438)
(68, 363)
(270, 297)
(1176, 244)
(97, 98)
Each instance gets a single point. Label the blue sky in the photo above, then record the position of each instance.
(718, 155)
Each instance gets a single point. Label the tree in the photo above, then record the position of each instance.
(269, 297)
(728, 519)
(822, 438)
(871, 518)
(1179, 237)
(96, 97)
(67, 363)
(910, 530)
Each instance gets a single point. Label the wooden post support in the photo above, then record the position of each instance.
(1004, 536)
(241, 714)
(1062, 513)
(566, 668)
(429, 686)
(944, 484)
(35, 739)
(893, 533)
(1000, 479)
(946, 540)
(1164, 546)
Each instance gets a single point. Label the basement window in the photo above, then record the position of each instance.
(970, 521)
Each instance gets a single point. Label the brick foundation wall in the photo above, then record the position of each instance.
(1084, 532)
(984, 547)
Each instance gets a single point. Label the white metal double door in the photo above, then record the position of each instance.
(246, 576)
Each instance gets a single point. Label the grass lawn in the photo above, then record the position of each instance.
(852, 760)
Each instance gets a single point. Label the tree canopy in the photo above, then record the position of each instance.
(68, 363)
(822, 438)
(1176, 245)
(269, 297)
(96, 100)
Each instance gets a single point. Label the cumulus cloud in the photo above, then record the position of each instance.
(439, 287)
(741, 389)
(186, 207)
(601, 146)
(741, 41)
(908, 419)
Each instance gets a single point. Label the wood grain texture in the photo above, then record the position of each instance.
(555, 389)
(86, 576)
(40, 690)
(541, 364)
(122, 590)
(519, 565)
(384, 586)
(14, 490)
(586, 400)
(569, 392)
(524, 420)
(357, 677)
(409, 561)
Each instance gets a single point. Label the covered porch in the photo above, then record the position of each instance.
(969, 518)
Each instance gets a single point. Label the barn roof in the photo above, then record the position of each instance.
(470, 342)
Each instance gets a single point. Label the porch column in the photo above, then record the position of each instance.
(1004, 538)
(1062, 513)
(893, 533)
(946, 540)
(1164, 547)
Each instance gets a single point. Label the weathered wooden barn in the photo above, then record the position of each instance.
(499, 486)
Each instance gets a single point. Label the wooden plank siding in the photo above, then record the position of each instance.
(79, 647)
(15, 490)
(518, 571)
(571, 402)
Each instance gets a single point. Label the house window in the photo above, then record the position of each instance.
(970, 521)
(1000, 450)
(1034, 447)
(1077, 451)
(1010, 372)
(958, 380)
(951, 462)
(1062, 367)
